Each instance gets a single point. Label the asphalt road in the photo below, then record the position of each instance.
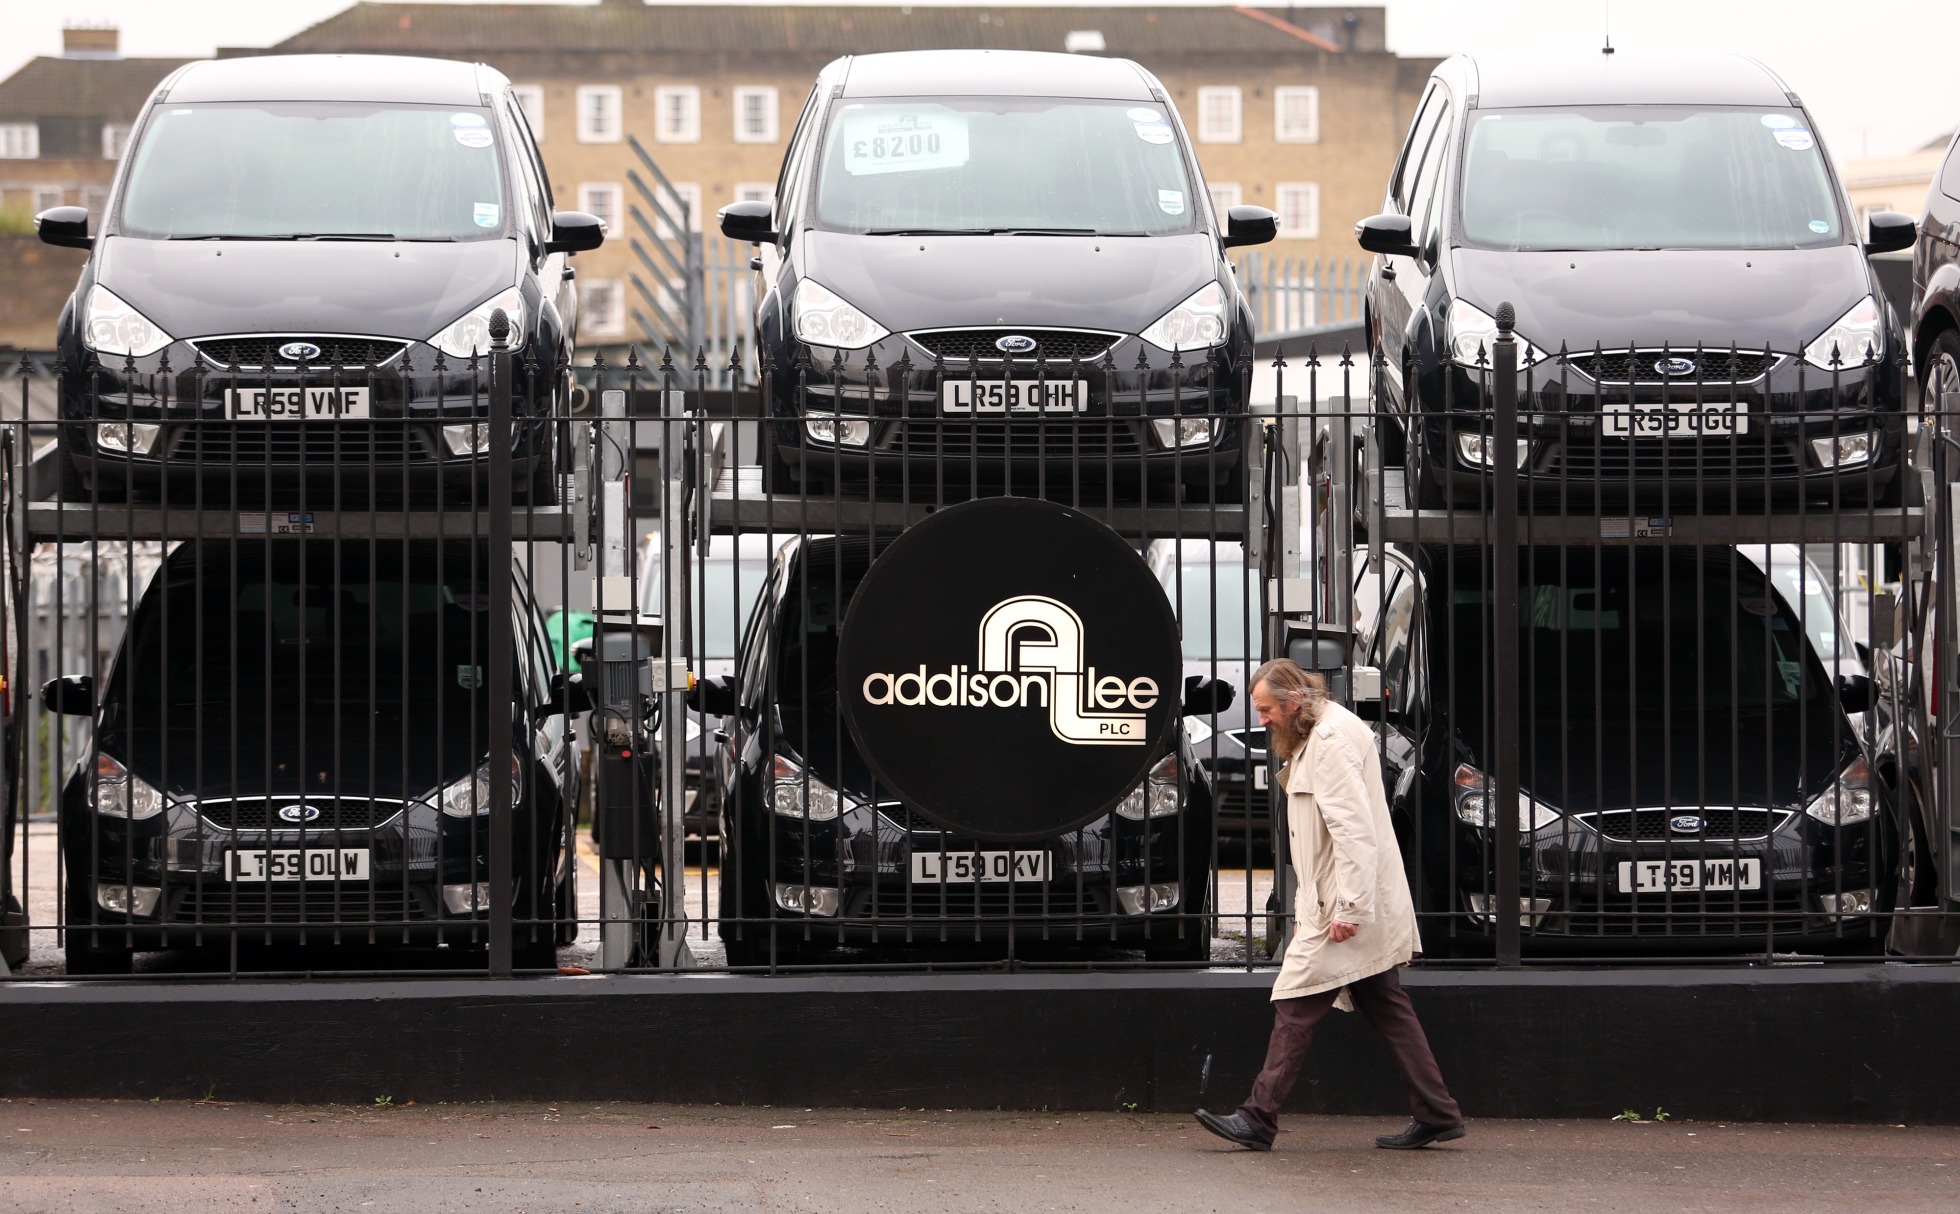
(83, 1157)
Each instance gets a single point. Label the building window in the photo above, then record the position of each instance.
(46, 196)
(677, 113)
(1224, 196)
(1296, 115)
(1298, 204)
(530, 99)
(20, 141)
(755, 114)
(598, 113)
(1218, 114)
(689, 196)
(115, 137)
(96, 199)
(601, 200)
(603, 308)
(755, 191)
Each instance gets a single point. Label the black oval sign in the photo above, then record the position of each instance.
(1009, 668)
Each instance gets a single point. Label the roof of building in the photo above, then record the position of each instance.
(492, 29)
(49, 87)
(385, 78)
(1626, 77)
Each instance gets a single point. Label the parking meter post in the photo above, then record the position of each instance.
(678, 452)
(502, 647)
(1504, 622)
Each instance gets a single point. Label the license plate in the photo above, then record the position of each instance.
(938, 868)
(1259, 777)
(1676, 876)
(1013, 396)
(297, 864)
(296, 404)
(1687, 419)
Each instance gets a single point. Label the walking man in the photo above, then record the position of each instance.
(1354, 922)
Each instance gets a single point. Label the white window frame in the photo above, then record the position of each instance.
(592, 321)
(1309, 228)
(1307, 130)
(115, 138)
(691, 191)
(588, 191)
(530, 99)
(690, 96)
(20, 141)
(771, 113)
(1224, 196)
(1219, 114)
(587, 131)
(46, 197)
(756, 191)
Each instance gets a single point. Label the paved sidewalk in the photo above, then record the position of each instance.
(86, 1156)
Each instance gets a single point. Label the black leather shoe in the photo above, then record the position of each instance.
(1235, 1128)
(1419, 1135)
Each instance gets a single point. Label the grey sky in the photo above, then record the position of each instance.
(1878, 76)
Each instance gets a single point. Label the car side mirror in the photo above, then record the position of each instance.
(64, 227)
(1854, 692)
(713, 697)
(575, 232)
(71, 694)
(748, 221)
(567, 695)
(1391, 235)
(1885, 231)
(1206, 697)
(1249, 225)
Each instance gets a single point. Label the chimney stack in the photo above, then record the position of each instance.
(91, 42)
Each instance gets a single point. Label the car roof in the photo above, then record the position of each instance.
(1625, 77)
(994, 74)
(378, 78)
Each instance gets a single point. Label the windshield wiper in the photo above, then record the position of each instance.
(928, 231)
(292, 236)
(994, 232)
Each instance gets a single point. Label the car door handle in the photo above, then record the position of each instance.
(569, 274)
(1388, 271)
(755, 263)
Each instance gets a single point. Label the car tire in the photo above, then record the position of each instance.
(537, 951)
(782, 481)
(1391, 439)
(1424, 480)
(1939, 369)
(89, 950)
(565, 931)
(1171, 941)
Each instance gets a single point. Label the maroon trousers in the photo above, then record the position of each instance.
(1385, 1005)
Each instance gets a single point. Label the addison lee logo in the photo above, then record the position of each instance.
(1009, 669)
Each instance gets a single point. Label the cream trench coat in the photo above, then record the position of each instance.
(1349, 866)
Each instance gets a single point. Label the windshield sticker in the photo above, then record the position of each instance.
(468, 120)
(1170, 202)
(1154, 132)
(1792, 673)
(884, 142)
(469, 678)
(1797, 139)
(1819, 226)
(486, 214)
(471, 136)
(1145, 114)
(1777, 122)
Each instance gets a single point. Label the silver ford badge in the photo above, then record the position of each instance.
(1015, 343)
(299, 351)
(299, 813)
(1675, 367)
(1685, 824)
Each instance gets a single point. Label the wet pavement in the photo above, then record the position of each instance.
(89, 1156)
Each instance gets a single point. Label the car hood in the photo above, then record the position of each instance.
(1119, 283)
(1779, 299)
(366, 756)
(198, 288)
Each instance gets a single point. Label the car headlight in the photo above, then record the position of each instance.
(470, 333)
(120, 793)
(110, 326)
(1473, 337)
(1196, 324)
(1475, 799)
(1848, 800)
(824, 319)
(470, 796)
(794, 793)
(1854, 339)
(1156, 797)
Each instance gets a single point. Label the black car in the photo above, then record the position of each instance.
(290, 746)
(813, 848)
(1936, 286)
(1026, 237)
(1686, 272)
(1695, 761)
(296, 269)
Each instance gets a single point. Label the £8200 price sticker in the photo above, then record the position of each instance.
(883, 139)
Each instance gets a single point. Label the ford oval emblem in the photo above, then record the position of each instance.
(1015, 343)
(1675, 367)
(1685, 824)
(299, 351)
(299, 813)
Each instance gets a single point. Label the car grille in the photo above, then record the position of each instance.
(1739, 460)
(908, 819)
(1241, 809)
(1251, 739)
(348, 814)
(257, 351)
(1054, 345)
(316, 443)
(990, 901)
(1637, 366)
(1050, 438)
(1648, 825)
(249, 906)
(1683, 916)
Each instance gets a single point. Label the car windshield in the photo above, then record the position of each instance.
(1646, 177)
(315, 170)
(1212, 612)
(724, 593)
(1003, 164)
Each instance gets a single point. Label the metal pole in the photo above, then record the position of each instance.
(677, 452)
(502, 644)
(1504, 622)
(617, 910)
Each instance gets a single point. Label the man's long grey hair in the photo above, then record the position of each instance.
(1296, 688)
